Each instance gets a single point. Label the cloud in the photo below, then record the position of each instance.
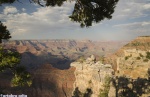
(135, 24)
(10, 10)
(44, 20)
(146, 6)
(131, 9)
(23, 9)
(142, 27)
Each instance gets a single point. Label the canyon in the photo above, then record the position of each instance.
(59, 53)
(49, 63)
(71, 68)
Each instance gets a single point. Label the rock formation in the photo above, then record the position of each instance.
(59, 53)
(131, 65)
(132, 60)
(91, 75)
(132, 68)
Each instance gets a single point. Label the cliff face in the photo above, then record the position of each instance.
(47, 82)
(132, 68)
(132, 59)
(91, 76)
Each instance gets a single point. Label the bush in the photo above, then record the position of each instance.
(136, 44)
(105, 91)
(138, 58)
(127, 57)
(141, 55)
(148, 55)
(145, 60)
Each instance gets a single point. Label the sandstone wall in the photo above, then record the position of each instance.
(91, 75)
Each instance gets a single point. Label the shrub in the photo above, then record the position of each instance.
(145, 60)
(138, 58)
(135, 44)
(141, 55)
(90, 81)
(126, 58)
(105, 91)
(148, 55)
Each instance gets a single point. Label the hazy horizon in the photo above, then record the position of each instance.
(70, 39)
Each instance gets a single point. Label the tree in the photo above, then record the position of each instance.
(85, 12)
(4, 33)
(88, 11)
(9, 61)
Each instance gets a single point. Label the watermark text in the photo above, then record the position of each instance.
(1, 95)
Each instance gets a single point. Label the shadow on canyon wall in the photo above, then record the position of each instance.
(127, 87)
(32, 61)
(47, 82)
(77, 93)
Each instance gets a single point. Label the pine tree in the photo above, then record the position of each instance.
(4, 33)
(9, 61)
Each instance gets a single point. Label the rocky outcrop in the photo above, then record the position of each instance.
(132, 68)
(91, 75)
(132, 58)
(133, 64)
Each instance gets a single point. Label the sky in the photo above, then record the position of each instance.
(30, 21)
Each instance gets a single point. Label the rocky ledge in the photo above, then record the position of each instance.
(91, 77)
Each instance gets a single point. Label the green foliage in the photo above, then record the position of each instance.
(88, 11)
(4, 33)
(105, 91)
(21, 78)
(10, 61)
(148, 55)
(103, 94)
(136, 44)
